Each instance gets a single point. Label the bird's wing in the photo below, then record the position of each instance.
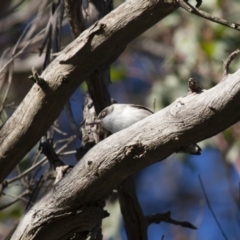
(141, 107)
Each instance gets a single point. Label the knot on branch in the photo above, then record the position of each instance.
(61, 172)
(135, 151)
(37, 79)
(193, 86)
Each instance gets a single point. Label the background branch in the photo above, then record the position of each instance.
(134, 220)
(188, 7)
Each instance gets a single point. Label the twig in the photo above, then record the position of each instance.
(10, 72)
(10, 105)
(20, 52)
(15, 200)
(35, 159)
(38, 20)
(67, 153)
(58, 130)
(189, 8)
(30, 202)
(12, 9)
(228, 61)
(27, 171)
(210, 208)
(16, 46)
(37, 79)
(69, 140)
(166, 217)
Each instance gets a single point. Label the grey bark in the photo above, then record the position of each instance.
(189, 119)
(82, 15)
(90, 12)
(92, 51)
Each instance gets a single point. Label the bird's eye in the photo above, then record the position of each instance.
(103, 114)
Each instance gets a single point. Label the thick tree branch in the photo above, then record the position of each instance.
(93, 50)
(189, 119)
(82, 220)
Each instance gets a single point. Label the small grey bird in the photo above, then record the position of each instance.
(120, 116)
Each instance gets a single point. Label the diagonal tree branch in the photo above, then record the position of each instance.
(194, 10)
(188, 120)
(93, 50)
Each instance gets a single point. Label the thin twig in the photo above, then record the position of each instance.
(210, 208)
(20, 51)
(10, 73)
(37, 154)
(166, 217)
(21, 197)
(27, 171)
(6, 205)
(12, 9)
(67, 140)
(228, 61)
(38, 20)
(58, 130)
(59, 151)
(67, 153)
(30, 202)
(189, 8)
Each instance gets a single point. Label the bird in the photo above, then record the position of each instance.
(117, 117)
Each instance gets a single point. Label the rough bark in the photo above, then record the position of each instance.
(90, 12)
(189, 119)
(82, 15)
(92, 51)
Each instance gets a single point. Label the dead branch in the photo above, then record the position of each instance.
(229, 60)
(189, 119)
(166, 217)
(189, 8)
(94, 49)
